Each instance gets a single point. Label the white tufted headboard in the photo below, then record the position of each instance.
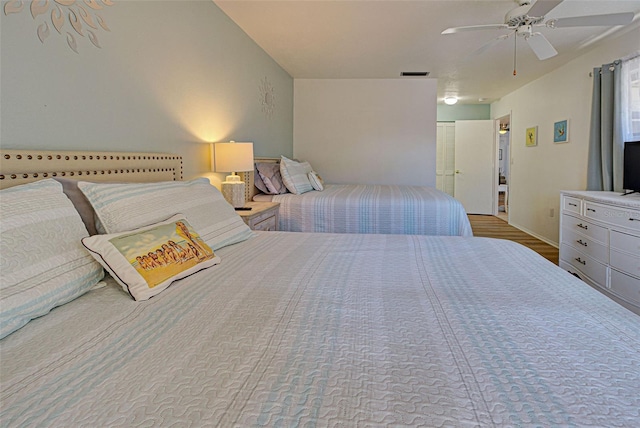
(24, 166)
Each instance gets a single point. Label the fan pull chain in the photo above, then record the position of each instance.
(515, 52)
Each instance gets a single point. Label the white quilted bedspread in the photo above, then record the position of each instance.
(355, 208)
(335, 330)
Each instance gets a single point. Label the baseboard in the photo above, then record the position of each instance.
(535, 235)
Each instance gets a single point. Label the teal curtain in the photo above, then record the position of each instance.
(604, 169)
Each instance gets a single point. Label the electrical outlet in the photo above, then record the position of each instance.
(552, 212)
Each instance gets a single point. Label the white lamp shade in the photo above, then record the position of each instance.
(233, 157)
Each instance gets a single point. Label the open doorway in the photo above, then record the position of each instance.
(503, 162)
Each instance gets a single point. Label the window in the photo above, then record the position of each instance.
(630, 86)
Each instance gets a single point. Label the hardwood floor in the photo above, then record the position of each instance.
(494, 227)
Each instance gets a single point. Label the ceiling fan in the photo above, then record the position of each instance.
(522, 20)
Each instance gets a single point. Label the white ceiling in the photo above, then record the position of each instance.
(381, 38)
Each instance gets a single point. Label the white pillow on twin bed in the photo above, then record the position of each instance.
(42, 261)
(316, 181)
(122, 207)
(294, 175)
(147, 260)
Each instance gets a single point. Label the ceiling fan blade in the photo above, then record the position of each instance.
(453, 30)
(594, 20)
(541, 46)
(487, 46)
(542, 7)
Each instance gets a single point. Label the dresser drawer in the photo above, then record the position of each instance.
(575, 272)
(590, 230)
(625, 242)
(619, 216)
(625, 287)
(587, 265)
(268, 224)
(585, 245)
(625, 252)
(625, 262)
(571, 204)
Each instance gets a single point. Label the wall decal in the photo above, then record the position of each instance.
(81, 15)
(267, 97)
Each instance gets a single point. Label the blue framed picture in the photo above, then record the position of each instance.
(561, 131)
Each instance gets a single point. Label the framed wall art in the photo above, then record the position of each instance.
(531, 136)
(561, 131)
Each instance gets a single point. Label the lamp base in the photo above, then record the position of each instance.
(233, 178)
(233, 191)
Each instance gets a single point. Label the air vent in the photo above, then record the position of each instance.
(415, 73)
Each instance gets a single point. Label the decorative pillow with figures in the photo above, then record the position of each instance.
(147, 260)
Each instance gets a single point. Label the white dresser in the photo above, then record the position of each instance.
(600, 242)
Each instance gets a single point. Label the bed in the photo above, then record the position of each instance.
(352, 208)
(302, 329)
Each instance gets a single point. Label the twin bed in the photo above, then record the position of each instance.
(354, 208)
(302, 329)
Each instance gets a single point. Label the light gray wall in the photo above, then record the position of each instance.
(170, 76)
(369, 131)
(539, 173)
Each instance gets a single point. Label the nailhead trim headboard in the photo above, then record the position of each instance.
(25, 166)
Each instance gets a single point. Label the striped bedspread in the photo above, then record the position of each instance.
(335, 330)
(352, 208)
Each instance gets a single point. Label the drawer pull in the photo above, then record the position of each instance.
(583, 226)
(574, 274)
(634, 219)
(591, 209)
(573, 205)
(579, 241)
(579, 260)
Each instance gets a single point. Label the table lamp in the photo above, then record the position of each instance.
(233, 157)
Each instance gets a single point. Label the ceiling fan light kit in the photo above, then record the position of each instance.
(522, 19)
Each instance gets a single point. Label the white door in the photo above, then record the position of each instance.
(445, 149)
(475, 177)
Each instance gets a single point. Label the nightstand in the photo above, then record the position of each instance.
(263, 215)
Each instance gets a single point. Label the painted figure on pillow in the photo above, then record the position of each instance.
(199, 247)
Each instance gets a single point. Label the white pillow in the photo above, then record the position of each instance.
(147, 260)
(294, 175)
(122, 207)
(42, 262)
(316, 181)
